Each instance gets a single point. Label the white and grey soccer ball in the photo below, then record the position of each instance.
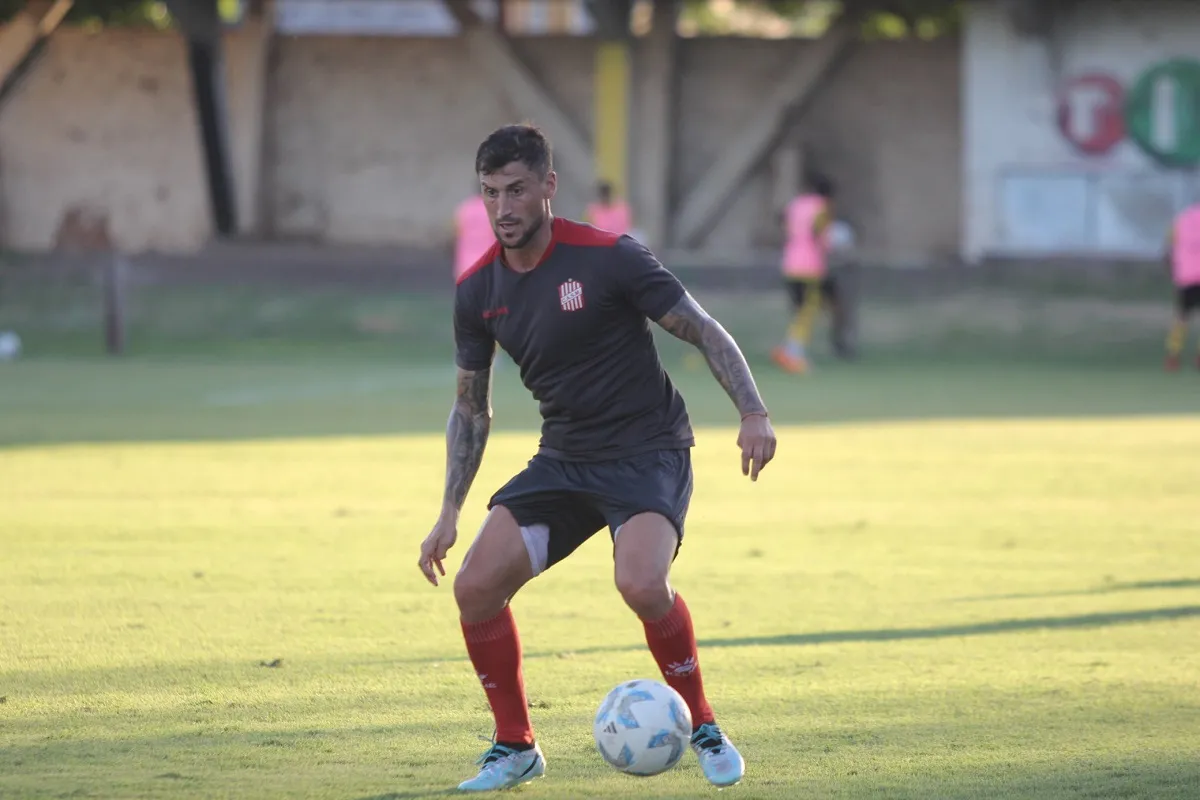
(643, 727)
(841, 236)
(10, 346)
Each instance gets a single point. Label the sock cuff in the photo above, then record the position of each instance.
(672, 623)
(498, 627)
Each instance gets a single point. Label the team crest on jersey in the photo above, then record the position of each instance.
(570, 296)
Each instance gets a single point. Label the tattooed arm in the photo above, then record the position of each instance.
(467, 435)
(691, 323)
(658, 295)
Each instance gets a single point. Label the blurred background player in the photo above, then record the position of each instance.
(473, 233)
(1185, 268)
(839, 289)
(806, 223)
(473, 237)
(607, 213)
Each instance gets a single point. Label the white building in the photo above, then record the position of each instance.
(1081, 136)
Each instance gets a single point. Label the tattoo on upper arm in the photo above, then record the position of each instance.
(467, 432)
(691, 323)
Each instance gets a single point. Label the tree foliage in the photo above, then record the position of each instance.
(105, 12)
(121, 12)
(883, 19)
(889, 19)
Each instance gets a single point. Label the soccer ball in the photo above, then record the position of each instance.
(841, 236)
(643, 727)
(10, 345)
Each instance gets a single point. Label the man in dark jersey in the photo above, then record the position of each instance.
(571, 303)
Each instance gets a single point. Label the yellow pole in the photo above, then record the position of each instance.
(611, 114)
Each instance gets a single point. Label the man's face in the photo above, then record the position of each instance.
(517, 201)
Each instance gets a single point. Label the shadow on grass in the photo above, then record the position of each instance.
(1079, 621)
(411, 795)
(223, 358)
(44, 403)
(1170, 780)
(1177, 583)
(1099, 620)
(1003, 751)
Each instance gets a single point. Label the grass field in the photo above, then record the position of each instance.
(961, 578)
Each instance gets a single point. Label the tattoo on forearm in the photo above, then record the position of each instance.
(689, 322)
(467, 433)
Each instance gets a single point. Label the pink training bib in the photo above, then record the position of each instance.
(1185, 255)
(475, 234)
(615, 218)
(804, 252)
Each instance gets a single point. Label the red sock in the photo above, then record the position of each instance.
(672, 641)
(495, 651)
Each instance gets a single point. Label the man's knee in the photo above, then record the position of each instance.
(478, 594)
(495, 567)
(647, 592)
(645, 548)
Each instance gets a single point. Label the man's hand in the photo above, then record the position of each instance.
(757, 440)
(434, 548)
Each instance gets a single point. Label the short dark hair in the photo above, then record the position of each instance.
(524, 143)
(821, 185)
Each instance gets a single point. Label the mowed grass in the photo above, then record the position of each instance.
(209, 587)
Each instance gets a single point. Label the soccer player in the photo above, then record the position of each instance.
(1185, 270)
(572, 305)
(805, 260)
(837, 291)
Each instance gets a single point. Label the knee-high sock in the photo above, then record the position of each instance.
(495, 651)
(672, 642)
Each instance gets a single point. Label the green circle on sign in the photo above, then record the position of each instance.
(1162, 112)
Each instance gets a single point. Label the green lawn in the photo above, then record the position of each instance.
(973, 570)
(960, 579)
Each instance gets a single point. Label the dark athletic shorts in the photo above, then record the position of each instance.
(1187, 298)
(576, 499)
(798, 290)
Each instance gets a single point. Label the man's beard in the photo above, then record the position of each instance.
(525, 239)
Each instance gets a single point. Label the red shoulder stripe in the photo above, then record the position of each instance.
(487, 258)
(580, 234)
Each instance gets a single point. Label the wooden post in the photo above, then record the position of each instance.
(114, 303)
(85, 231)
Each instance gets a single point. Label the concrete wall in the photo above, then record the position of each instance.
(107, 121)
(1030, 189)
(374, 139)
(370, 140)
(862, 130)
